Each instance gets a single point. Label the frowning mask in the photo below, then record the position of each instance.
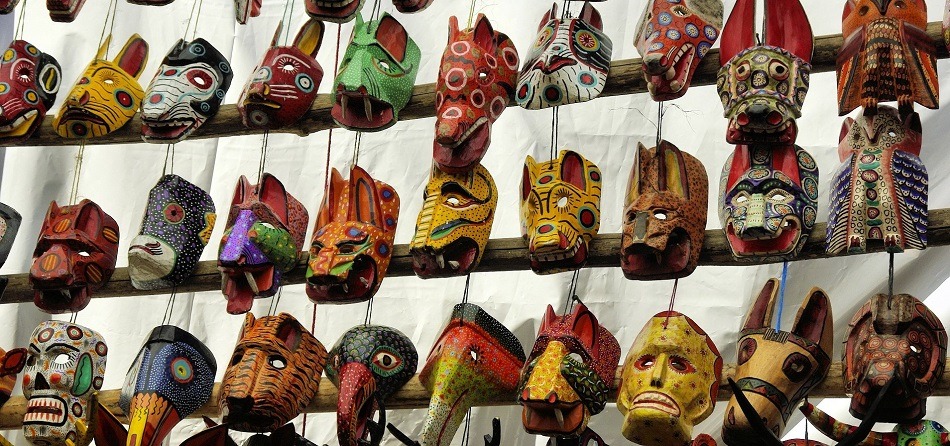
(29, 81)
(64, 10)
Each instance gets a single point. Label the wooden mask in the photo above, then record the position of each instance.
(11, 364)
(560, 211)
(265, 233)
(376, 75)
(411, 6)
(29, 81)
(337, 11)
(64, 10)
(770, 438)
(763, 86)
(6, 7)
(665, 208)
(285, 83)
(768, 201)
(107, 94)
(9, 226)
(353, 239)
(75, 256)
(245, 9)
(454, 224)
(178, 221)
(923, 432)
(272, 374)
(886, 56)
(803, 354)
(476, 81)
(880, 192)
(568, 61)
(672, 38)
(568, 374)
(670, 381)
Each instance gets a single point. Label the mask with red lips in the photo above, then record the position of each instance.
(29, 81)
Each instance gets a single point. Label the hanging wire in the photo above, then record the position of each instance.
(369, 312)
(260, 166)
(566, 10)
(555, 119)
(572, 292)
(191, 18)
(274, 302)
(659, 123)
(471, 14)
(170, 307)
(669, 310)
(806, 423)
(357, 142)
(77, 172)
(781, 296)
(289, 15)
(468, 281)
(890, 281)
(468, 427)
(20, 22)
(102, 35)
(72, 318)
(169, 155)
(376, 8)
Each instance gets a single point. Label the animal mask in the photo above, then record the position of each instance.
(187, 90)
(75, 256)
(11, 363)
(672, 38)
(768, 201)
(29, 81)
(352, 239)
(886, 56)
(9, 226)
(271, 377)
(368, 364)
(376, 75)
(178, 221)
(670, 381)
(568, 62)
(64, 10)
(769, 438)
(245, 9)
(775, 368)
(265, 233)
(107, 94)
(665, 208)
(880, 192)
(65, 366)
(476, 81)
(337, 11)
(560, 211)
(285, 83)
(923, 432)
(763, 87)
(7, 6)
(454, 223)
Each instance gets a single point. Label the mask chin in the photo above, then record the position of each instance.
(356, 286)
(642, 261)
(456, 258)
(360, 111)
(459, 155)
(61, 300)
(782, 243)
(543, 418)
(241, 284)
(560, 260)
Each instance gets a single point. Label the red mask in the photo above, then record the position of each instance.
(410, 6)
(245, 9)
(29, 81)
(64, 10)
(11, 364)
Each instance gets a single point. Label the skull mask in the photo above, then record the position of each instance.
(9, 226)
(29, 81)
(64, 10)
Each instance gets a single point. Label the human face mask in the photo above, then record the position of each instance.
(29, 81)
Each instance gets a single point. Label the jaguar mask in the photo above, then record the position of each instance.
(64, 10)
(29, 81)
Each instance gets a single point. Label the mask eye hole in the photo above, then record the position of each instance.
(453, 201)
(278, 362)
(891, 133)
(681, 364)
(743, 71)
(62, 359)
(236, 359)
(741, 199)
(914, 348)
(797, 367)
(562, 202)
(576, 357)
(864, 10)
(746, 349)
(645, 362)
(778, 70)
(899, 4)
(31, 360)
(108, 81)
(83, 253)
(660, 214)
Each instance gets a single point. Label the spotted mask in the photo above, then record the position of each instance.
(64, 10)
(29, 81)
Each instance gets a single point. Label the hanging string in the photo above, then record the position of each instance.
(471, 14)
(566, 10)
(669, 310)
(357, 142)
(102, 35)
(468, 281)
(555, 118)
(274, 302)
(781, 296)
(890, 281)
(170, 307)
(572, 292)
(260, 166)
(468, 427)
(72, 319)
(20, 22)
(288, 7)
(77, 172)
(659, 123)
(193, 18)
(369, 312)
(376, 8)
(806, 423)
(169, 154)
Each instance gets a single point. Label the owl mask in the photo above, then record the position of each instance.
(64, 10)
(29, 81)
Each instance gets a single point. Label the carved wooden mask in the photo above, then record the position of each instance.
(7, 6)
(923, 432)
(29, 81)
(337, 11)
(245, 9)
(64, 10)
(10, 221)
(11, 364)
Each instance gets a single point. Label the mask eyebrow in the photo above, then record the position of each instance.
(61, 345)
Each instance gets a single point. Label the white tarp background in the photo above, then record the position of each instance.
(605, 130)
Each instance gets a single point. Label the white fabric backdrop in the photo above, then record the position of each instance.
(605, 130)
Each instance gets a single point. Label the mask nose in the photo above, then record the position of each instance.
(240, 405)
(40, 383)
(755, 218)
(653, 63)
(760, 115)
(659, 372)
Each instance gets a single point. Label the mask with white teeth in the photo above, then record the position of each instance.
(29, 81)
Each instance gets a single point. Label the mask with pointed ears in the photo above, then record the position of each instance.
(29, 81)
(245, 9)
(64, 10)
(10, 221)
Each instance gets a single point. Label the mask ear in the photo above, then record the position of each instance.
(844, 150)
(274, 41)
(739, 32)
(549, 317)
(364, 198)
(484, 34)
(289, 334)
(848, 7)
(760, 314)
(549, 16)
(310, 37)
(241, 191)
(134, 56)
(248, 325)
(572, 170)
(89, 219)
(454, 29)
(585, 325)
(814, 321)
(787, 26)
(591, 16)
(273, 194)
(672, 172)
(634, 188)
(104, 48)
(739, 165)
(392, 37)
(527, 177)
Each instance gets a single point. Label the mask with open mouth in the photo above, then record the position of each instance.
(560, 211)
(768, 201)
(74, 257)
(376, 75)
(65, 366)
(337, 11)
(763, 86)
(29, 81)
(665, 223)
(107, 94)
(178, 221)
(476, 81)
(64, 10)
(352, 239)
(673, 37)
(454, 223)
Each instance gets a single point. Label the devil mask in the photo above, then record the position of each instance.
(66, 364)
(454, 223)
(107, 94)
(476, 81)
(763, 87)
(673, 37)
(560, 211)
(665, 223)
(179, 218)
(353, 239)
(9, 226)
(75, 256)
(376, 75)
(29, 81)
(64, 10)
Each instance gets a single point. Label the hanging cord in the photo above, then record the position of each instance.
(113, 5)
(781, 296)
(274, 302)
(566, 10)
(468, 427)
(806, 422)
(193, 18)
(369, 311)
(357, 142)
(288, 7)
(169, 156)
(170, 307)
(669, 310)
(20, 22)
(572, 292)
(77, 172)
(72, 319)
(468, 281)
(260, 166)
(376, 7)
(890, 281)
(471, 14)
(659, 123)
(555, 119)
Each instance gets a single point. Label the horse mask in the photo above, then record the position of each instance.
(265, 233)
(64, 10)
(75, 256)
(29, 81)
(353, 239)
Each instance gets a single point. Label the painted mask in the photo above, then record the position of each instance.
(285, 83)
(7, 6)
(270, 379)
(217, 435)
(923, 432)
(411, 6)
(107, 94)
(454, 223)
(768, 201)
(376, 75)
(670, 381)
(75, 256)
(187, 90)
(265, 232)
(29, 81)
(665, 209)
(568, 62)
(337, 11)
(770, 438)
(11, 364)
(773, 391)
(763, 86)
(10, 221)
(886, 56)
(368, 364)
(65, 366)
(64, 10)
(476, 81)
(178, 221)
(673, 37)
(560, 211)
(352, 239)
(245, 9)
(880, 192)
